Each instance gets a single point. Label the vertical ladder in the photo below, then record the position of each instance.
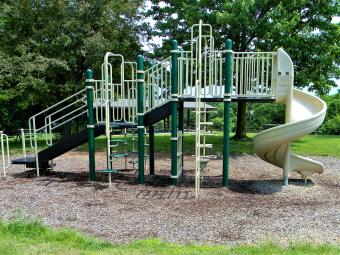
(198, 88)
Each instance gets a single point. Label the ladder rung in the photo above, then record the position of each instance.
(146, 144)
(207, 123)
(209, 146)
(119, 155)
(118, 141)
(207, 134)
(108, 171)
(206, 111)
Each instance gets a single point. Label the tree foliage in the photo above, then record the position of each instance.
(331, 125)
(45, 47)
(303, 28)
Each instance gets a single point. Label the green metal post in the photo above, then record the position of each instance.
(140, 111)
(152, 149)
(227, 102)
(183, 66)
(90, 123)
(174, 117)
(181, 126)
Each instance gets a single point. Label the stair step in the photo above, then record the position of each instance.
(209, 146)
(108, 171)
(119, 155)
(23, 161)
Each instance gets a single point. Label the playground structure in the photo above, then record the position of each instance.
(138, 99)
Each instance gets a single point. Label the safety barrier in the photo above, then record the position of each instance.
(4, 146)
(54, 117)
(157, 86)
(118, 90)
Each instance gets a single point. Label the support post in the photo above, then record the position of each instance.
(181, 127)
(152, 149)
(90, 122)
(140, 114)
(227, 102)
(174, 117)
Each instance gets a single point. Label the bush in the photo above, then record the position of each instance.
(331, 127)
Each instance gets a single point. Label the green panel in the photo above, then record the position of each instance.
(90, 122)
(227, 101)
(140, 110)
(174, 115)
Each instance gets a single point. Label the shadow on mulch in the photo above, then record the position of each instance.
(129, 177)
(264, 187)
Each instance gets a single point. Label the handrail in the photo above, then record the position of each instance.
(157, 84)
(50, 124)
(31, 120)
(5, 161)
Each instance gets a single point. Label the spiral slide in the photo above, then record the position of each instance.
(305, 114)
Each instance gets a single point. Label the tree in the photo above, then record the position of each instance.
(302, 28)
(46, 46)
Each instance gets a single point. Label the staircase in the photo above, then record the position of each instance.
(57, 149)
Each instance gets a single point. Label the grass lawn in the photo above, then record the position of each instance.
(20, 237)
(320, 145)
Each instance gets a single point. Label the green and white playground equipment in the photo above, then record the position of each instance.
(201, 73)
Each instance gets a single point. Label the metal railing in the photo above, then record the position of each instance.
(253, 73)
(4, 146)
(157, 86)
(120, 95)
(54, 117)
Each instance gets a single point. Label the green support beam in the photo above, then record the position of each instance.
(227, 102)
(174, 117)
(181, 126)
(90, 123)
(140, 111)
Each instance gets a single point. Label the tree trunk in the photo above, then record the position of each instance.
(241, 121)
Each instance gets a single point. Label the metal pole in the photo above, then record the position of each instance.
(36, 148)
(3, 153)
(140, 114)
(174, 118)
(23, 144)
(152, 149)
(227, 101)
(181, 127)
(90, 123)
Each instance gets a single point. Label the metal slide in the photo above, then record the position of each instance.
(304, 114)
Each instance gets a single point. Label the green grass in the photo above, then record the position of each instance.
(20, 237)
(319, 145)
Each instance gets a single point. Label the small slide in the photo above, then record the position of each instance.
(306, 114)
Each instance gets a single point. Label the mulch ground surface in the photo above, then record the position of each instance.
(254, 208)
